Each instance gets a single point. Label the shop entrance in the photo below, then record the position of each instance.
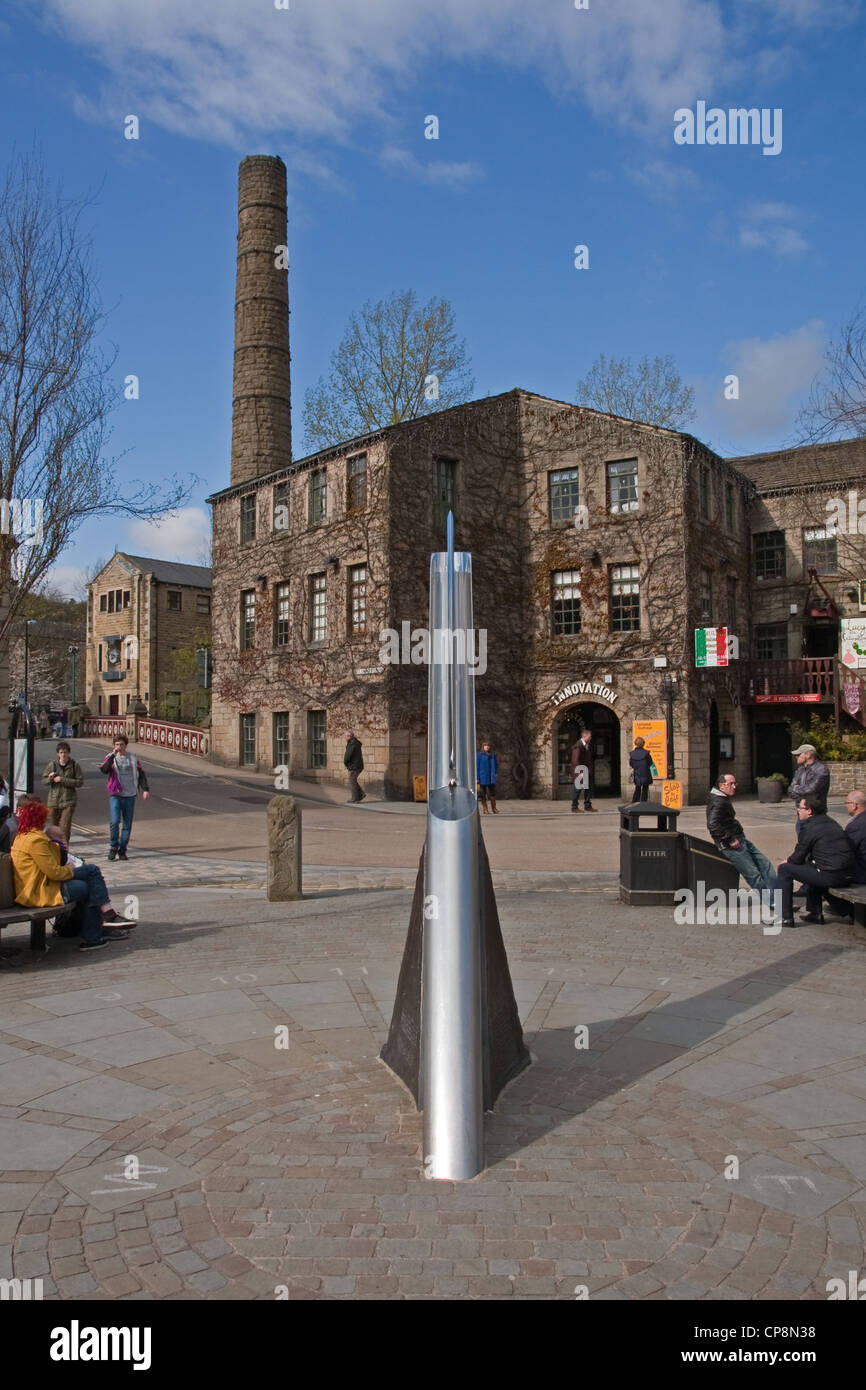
(606, 739)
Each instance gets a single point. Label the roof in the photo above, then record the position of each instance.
(811, 465)
(167, 571)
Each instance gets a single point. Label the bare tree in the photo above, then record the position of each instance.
(397, 361)
(55, 389)
(651, 392)
(836, 408)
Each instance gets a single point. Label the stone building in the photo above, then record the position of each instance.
(146, 619)
(599, 545)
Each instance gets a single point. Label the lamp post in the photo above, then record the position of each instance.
(27, 623)
(73, 652)
(668, 691)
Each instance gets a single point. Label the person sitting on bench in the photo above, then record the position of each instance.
(44, 879)
(822, 859)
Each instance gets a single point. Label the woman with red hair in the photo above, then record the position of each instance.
(43, 878)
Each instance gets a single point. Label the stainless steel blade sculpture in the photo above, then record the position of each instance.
(455, 1036)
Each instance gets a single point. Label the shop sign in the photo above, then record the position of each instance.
(655, 737)
(600, 689)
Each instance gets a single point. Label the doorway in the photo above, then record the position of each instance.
(604, 725)
(821, 639)
(772, 749)
(114, 704)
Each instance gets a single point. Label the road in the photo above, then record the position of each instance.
(196, 808)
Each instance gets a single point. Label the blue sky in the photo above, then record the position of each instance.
(556, 129)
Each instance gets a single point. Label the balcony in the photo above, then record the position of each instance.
(809, 680)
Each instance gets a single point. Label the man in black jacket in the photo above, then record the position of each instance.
(855, 805)
(727, 835)
(354, 761)
(822, 859)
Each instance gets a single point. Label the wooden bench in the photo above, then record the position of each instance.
(855, 894)
(10, 911)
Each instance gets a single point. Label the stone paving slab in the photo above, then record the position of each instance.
(300, 1168)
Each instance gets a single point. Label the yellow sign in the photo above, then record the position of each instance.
(655, 737)
(419, 788)
(672, 795)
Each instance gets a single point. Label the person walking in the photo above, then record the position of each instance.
(44, 879)
(728, 836)
(582, 767)
(641, 763)
(823, 858)
(486, 768)
(126, 777)
(353, 759)
(63, 777)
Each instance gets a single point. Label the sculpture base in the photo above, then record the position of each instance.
(504, 1052)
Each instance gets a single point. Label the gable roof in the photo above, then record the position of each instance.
(810, 465)
(167, 571)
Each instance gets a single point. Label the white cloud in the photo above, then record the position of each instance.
(71, 580)
(184, 537)
(774, 374)
(664, 181)
(437, 172)
(770, 226)
(231, 71)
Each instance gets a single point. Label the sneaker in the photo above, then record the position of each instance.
(112, 854)
(817, 917)
(115, 919)
(591, 809)
(93, 945)
(122, 854)
(789, 923)
(576, 808)
(113, 934)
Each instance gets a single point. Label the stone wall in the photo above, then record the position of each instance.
(847, 777)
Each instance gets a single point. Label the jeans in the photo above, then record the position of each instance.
(754, 866)
(641, 791)
(587, 796)
(122, 808)
(816, 879)
(87, 889)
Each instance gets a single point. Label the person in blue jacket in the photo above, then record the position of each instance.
(486, 767)
(640, 765)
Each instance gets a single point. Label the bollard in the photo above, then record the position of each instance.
(284, 850)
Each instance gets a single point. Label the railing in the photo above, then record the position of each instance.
(805, 680)
(157, 732)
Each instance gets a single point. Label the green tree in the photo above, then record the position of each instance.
(651, 392)
(397, 361)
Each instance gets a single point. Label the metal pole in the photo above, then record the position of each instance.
(26, 657)
(451, 1046)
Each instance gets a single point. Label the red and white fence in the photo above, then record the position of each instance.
(157, 732)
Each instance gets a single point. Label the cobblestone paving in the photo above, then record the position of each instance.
(156, 1143)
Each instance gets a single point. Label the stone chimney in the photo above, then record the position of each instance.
(261, 400)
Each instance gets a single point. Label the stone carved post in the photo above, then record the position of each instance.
(284, 850)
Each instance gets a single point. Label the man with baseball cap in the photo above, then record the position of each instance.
(811, 778)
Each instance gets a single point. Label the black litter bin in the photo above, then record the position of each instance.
(649, 856)
(703, 863)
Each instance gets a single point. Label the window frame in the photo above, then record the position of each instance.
(616, 469)
(619, 604)
(781, 634)
(316, 611)
(317, 492)
(560, 482)
(282, 595)
(247, 634)
(762, 552)
(444, 479)
(280, 761)
(313, 763)
(356, 483)
(557, 625)
(829, 538)
(247, 721)
(174, 607)
(356, 603)
(705, 611)
(248, 518)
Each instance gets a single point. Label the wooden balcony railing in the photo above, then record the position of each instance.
(808, 680)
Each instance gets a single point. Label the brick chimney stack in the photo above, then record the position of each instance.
(261, 399)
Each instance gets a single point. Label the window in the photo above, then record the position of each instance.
(318, 609)
(174, 599)
(126, 598)
(281, 615)
(118, 599)
(732, 603)
(819, 550)
(357, 598)
(248, 740)
(566, 603)
(128, 645)
(248, 619)
(111, 600)
(622, 486)
(99, 657)
(248, 518)
(318, 498)
(625, 598)
(356, 483)
(103, 603)
(444, 491)
(281, 506)
(704, 493)
(706, 601)
(202, 603)
(99, 704)
(281, 740)
(770, 555)
(729, 506)
(317, 748)
(564, 494)
(771, 641)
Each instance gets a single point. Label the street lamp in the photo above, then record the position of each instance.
(668, 691)
(73, 652)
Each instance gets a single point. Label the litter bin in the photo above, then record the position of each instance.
(649, 857)
(703, 863)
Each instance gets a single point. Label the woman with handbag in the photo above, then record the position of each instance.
(125, 779)
(641, 762)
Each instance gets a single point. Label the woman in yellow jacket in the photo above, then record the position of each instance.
(44, 879)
